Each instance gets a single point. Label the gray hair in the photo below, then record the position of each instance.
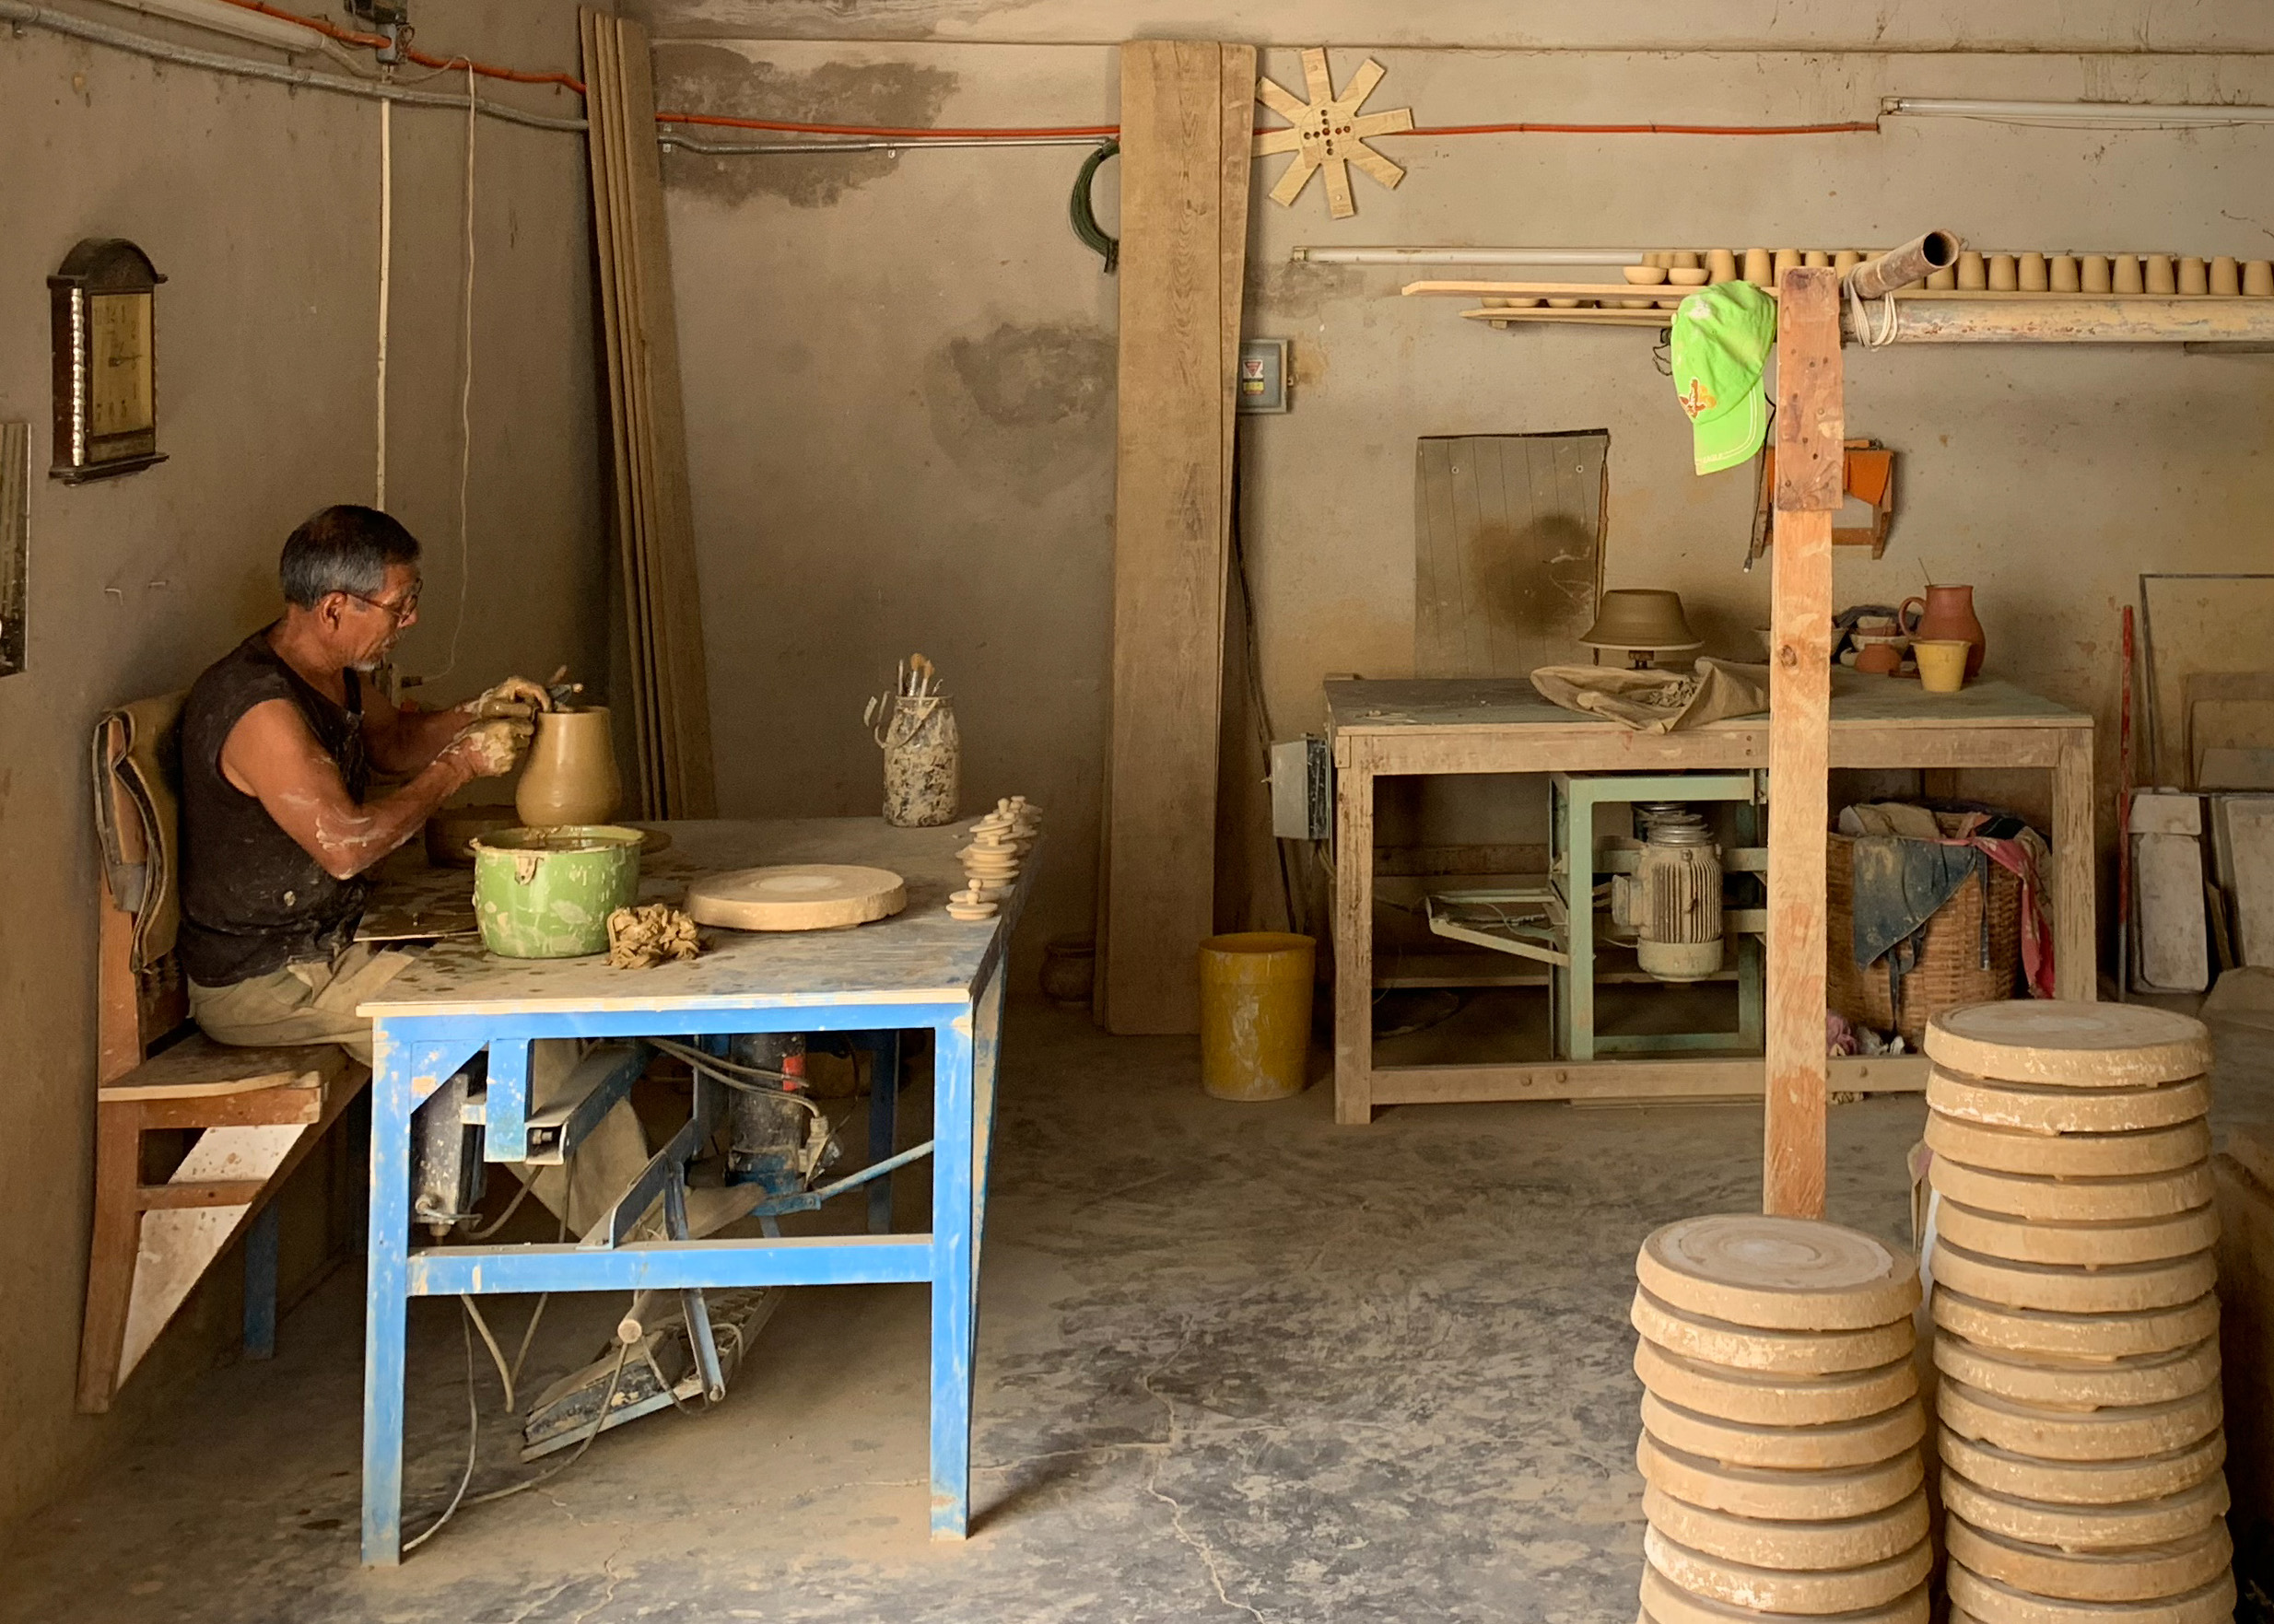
(343, 549)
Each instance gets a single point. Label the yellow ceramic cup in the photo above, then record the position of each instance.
(1941, 663)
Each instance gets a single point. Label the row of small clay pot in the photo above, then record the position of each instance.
(2157, 273)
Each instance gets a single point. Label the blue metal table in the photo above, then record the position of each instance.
(919, 969)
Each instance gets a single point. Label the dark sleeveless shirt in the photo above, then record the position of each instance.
(253, 900)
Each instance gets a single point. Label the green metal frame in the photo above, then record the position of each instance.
(1573, 798)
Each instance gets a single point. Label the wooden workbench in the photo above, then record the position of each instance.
(1502, 725)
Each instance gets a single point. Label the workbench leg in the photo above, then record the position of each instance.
(953, 1212)
(385, 1307)
(2076, 946)
(986, 1054)
(1579, 920)
(883, 1123)
(261, 1243)
(1354, 945)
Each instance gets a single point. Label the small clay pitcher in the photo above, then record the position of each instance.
(1946, 613)
(571, 776)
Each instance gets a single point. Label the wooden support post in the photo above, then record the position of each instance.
(1810, 459)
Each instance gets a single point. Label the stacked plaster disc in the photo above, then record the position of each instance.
(999, 843)
(1781, 1425)
(2076, 1329)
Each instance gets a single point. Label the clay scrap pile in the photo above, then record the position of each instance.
(2075, 1328)
(1781, 1425)
(1000, 842)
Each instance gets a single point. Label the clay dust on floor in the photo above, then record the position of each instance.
(1235, 1362)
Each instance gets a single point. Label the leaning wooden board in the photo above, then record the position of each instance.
(1186, 113)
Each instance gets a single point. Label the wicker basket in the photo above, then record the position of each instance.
(1950, 970)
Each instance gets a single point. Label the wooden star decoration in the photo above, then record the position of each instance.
(1330, 133)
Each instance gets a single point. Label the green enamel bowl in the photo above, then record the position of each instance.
(547, 893)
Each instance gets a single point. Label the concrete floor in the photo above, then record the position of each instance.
(1235, 1362)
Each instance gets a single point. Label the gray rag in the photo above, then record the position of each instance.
(1899, 885)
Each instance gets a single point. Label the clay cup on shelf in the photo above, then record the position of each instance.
(1941, 663)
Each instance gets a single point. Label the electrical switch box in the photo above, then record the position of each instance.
(1263, 374)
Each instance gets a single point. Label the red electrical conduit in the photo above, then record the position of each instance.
(786, 126)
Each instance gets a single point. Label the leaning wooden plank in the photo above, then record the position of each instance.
(672, 584)
(197, 1068)
(1809, 458)
(1169, 555)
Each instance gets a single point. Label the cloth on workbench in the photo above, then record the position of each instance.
(1657, 701)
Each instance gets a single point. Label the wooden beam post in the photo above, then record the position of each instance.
(1810, 429)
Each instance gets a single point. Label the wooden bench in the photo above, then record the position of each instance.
(256, 1114)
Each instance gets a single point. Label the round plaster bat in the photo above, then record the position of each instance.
(1789, 1496)
(1813, 1546)
(2058, 1109)
(2068, 1155)
(1771, 1398)
(1812, 1354)
(1788, 1274)
(2073, 1201)
(1835, 1448)
(2088, 1528)
(1780, 1590)
(1666, 1603)
(2145, 1573)
(2071, 1288)
(2071, 1383)
(2098, 1243)
(2082, 1483)
(2128, 1433)
(796, 896)
(2064, 1041)
(2075, 1336)
(1978, 1599)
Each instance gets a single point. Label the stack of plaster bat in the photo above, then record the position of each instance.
(2076, 1327)
(1000, 842)
(1781, 1425)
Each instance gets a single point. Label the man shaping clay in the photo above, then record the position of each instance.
(278, 740)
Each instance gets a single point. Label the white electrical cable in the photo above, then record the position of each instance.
(386, 257)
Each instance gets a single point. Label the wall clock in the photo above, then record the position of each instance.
(106, 396)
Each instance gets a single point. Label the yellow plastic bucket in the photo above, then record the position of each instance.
(1256, 1014)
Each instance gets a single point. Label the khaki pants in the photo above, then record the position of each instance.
(312, 1001)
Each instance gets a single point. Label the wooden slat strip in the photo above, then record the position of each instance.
(1184, 167)
(1808, 434)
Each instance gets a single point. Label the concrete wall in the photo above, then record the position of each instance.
(900, 367)
(260, 206)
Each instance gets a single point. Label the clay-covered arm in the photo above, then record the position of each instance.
(271, 755)
(403, 738)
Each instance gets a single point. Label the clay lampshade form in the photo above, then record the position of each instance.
(796, 896)
(1683, 259)
(2225, 278)
(1816, 259)
(2162, 274)
(1787, 259)
(2096, 272)
(1973, 271)
(2033, 273)
(1943, 280)
(1641, 619)
(2005, 274)
(1720, 265)
(2258, 279)
(1760, 266)
(570, 777)
(2067, 274)
(2127, 278)
(2194, 276)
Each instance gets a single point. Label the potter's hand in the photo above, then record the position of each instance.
(516, 699)
(490, 748)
